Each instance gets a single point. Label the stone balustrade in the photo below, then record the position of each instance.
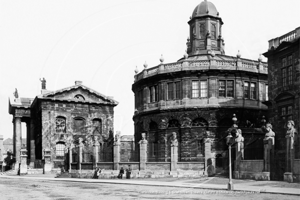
(238, 64)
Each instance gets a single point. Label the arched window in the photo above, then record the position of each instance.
(174, 123)
(213, 31)
(202, 31)
(60, 150)
(60, 123)
(200, 122)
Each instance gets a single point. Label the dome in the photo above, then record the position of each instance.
(205, 8)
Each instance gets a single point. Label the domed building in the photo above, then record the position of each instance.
(197, 96)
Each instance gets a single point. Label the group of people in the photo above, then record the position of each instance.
(120, 175)
(128, 172)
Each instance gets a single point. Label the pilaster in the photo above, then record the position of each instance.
(23, 160)
(47, 161)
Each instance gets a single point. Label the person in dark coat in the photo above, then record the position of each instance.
(128, 172)
(120, 176)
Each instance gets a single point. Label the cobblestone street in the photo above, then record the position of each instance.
(66, 190)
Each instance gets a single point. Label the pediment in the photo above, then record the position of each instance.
(284, 96)
(79, 93)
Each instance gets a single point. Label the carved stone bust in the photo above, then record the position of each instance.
(174, 141)
(143, 140)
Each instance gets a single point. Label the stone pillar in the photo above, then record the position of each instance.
(209, 168)
(174, 152)
(143, 152)
(32, 144)
(239, 152)
(17, 139)
(80, 153)
(47, 161)
(117, 144)
(23, 160)
(70, 158)
(288, 175)
(28, 139)
(95, 152)
(1, 148)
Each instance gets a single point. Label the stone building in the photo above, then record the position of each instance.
(56, 120)
(284, 92)
(197, 96)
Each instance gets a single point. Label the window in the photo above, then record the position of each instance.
(290, 60)
(253, 91)
(79, 125)
(202, 31)
(284, 63)
(283, 77)
(246, 90)
(290, 110)
(287, 112)
(222, 87)
(60, 123)
(79, 97)
(170, 91)
(283, 111)
(290, 75)
(195, 89)
(153, 93)
(203, 88)
(60, 150)
(267, 90)
(213, 31)
(230, 89)
(177, 90)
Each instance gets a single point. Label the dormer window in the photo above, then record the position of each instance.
(79, 97)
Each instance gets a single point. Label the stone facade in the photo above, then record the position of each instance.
(58, 119)
(284, 94)
(197, 95)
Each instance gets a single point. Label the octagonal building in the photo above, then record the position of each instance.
(197, 95)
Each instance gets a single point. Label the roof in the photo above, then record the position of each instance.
(205, 8)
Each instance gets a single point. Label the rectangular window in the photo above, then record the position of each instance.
(283, 111)
(156, 93)
(284, 63)
(170, 91)
(253, 91)
(222, 87)
(290, 75)
(151, 94)
(290, 60)
(290, 110)
(230, 89)
(195, 89)
(246, 90)
(283, 72)
(203, 89)
(177, 90)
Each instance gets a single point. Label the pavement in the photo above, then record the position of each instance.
(272, 187)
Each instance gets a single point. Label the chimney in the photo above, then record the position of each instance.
(78, 82)
(43, 83)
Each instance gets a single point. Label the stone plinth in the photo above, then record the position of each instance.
(116, 156)
(288, 177)
(47, 161)
(174, 157)
(143, 154)
(23, 162)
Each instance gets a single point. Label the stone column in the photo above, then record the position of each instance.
(95, 152)
(17, 140)
(80, 153)
(32, 144)
(47, 161)
(174, 152)
(117, 144)
(23, 160)
(143, 152)
(209, 168)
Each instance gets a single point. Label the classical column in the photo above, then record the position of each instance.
(47, 161)
(32, 144)
(117, 144)
(70, 157)
(23, 160)
(143, 152)
(28, 139)
(17, 139)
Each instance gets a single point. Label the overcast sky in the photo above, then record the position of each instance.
(101, 42)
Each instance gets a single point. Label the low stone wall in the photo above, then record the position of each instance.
(112, 174)
(251, 169)
(133, 165)
(156, 166)
(106, 165)
(196, 166)
(40, 171)
(296, 170)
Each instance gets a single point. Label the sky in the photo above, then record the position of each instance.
(102, 42)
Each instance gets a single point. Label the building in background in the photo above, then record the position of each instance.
(197, 96)
(284, 91)
(56, 120)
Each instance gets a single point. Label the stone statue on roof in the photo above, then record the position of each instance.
(16, 94)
